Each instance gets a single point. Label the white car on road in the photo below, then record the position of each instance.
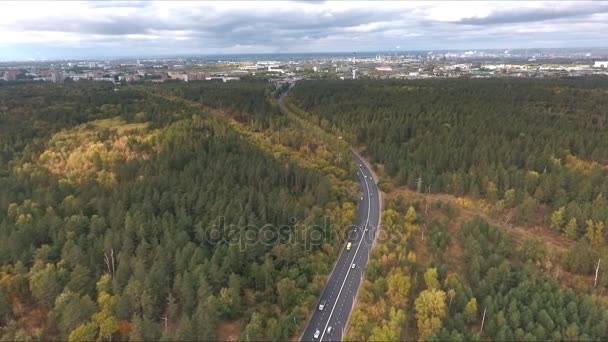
(322, 305)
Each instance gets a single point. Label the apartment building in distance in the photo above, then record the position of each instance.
(11, 75)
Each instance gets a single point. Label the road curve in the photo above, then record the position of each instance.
(341, 288)
(344, 281)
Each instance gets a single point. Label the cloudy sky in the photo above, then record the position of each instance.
(31, 30)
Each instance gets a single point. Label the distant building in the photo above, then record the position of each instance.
(178, 76)
(250, 67)
(129, 78)
(384, 68)
(222, 78)
(271, 69)
(601, 64)
(57, 76)
(195, 76)
(11, 75)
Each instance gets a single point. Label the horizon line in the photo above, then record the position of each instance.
(190, 55)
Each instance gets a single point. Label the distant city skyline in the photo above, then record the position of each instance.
(114, 29)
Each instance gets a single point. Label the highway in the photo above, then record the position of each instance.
(341, 288)
(339, 293)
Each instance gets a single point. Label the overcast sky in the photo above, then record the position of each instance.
(115, 28)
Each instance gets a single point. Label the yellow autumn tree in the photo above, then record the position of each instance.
(430, 311)
(557, 219)
(470, 310)
(389, 219)
(357, 330)
(595, 233)
(398, 288)
(410, 221)
(84, 332)
(571, 229)
(430, 278)
(108, 324)
(389, 330)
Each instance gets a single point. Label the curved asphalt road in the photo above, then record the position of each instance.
(344, 281)
(340, 291)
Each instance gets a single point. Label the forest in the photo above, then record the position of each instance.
(122, 212)
(518, 304)
(534, 151)
(528, 154)
(443, 277)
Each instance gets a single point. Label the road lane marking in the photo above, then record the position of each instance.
(355, 255)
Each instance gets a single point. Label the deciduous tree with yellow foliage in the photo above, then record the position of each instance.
(430, 311)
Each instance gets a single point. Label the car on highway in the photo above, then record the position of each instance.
(349, 246)
(353, 266)
(329, 329)
(322, 305)
(317, 333)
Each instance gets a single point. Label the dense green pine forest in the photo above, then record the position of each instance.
(121, 209)
(118, 213)
(466, 280)
(539, 146)
(533, 153)
(518, 303)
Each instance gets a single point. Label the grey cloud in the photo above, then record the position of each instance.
(236, 27)
(207, 29)
(535, 15)
(286, 20)
(241, 25)
(115, 27)
(108, 26)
